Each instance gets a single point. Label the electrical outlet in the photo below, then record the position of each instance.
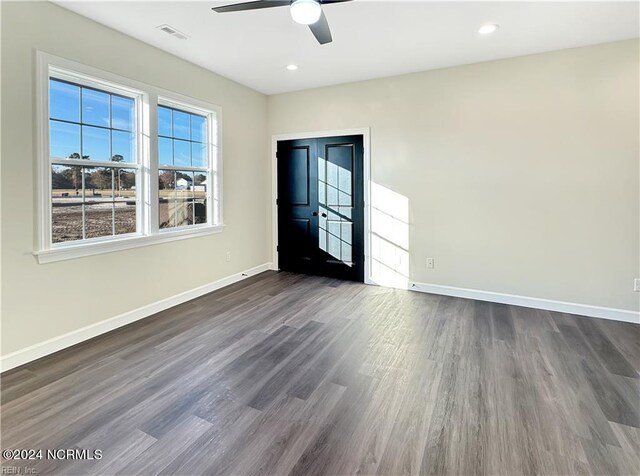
(636, 284)
(228, 255)
(431, 263)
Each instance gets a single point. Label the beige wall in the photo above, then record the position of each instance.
(40, 302)
(520, 176)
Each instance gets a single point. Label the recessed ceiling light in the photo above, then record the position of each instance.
(292, 67)
(488, 29)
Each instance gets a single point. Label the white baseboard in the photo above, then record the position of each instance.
(34, 352)
(524, 301)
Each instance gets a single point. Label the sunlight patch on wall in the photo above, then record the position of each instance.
(389, 237)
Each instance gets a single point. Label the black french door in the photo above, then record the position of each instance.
(321, 206)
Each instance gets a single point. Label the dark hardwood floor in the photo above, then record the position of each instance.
(290, 374)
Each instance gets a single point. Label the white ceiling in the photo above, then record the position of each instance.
(370, 38)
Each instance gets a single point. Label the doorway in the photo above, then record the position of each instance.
(320, 206)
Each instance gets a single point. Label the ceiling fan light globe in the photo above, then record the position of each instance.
(305, 12)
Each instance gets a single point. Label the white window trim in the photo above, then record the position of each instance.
(148, 232)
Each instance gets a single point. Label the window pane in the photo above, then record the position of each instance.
(122, 113)
(89, 187)
(66, 203)
(98, 218)
(198, 128)
(166, 192)
(181, 125)
(176, 194)
(183, 207)
(64, 140)
(95, 107)
(125, 218)
(66, 221)
(199, 155)
(125, 184)
(64, 101)
(201, 180)
(200, 197)
(122, 147)
(181, 153)
(100, 180)
(95, 143)
(65, 181)
(165, 151)
(98, 202)
(125, 201)
(164, 121)
(184, 181)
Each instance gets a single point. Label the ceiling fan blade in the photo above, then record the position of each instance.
(240, 7)
(326, 2)
(321, 31)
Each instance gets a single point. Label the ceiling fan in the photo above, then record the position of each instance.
(305, 12)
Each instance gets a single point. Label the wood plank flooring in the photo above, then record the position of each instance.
(290, 374)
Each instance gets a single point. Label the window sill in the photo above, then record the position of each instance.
(90, 249)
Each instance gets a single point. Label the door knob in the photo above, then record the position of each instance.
(324, 215)
(315, 214)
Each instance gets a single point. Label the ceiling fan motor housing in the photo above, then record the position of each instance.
(305, 12)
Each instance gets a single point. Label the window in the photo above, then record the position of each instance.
(183, 167)
(94, 164)
(99, 151)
